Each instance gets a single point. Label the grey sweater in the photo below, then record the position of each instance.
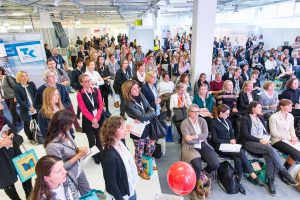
(267, 101)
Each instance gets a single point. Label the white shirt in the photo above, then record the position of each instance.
(60, 193)
(270, 65)
(165, 87)
(95, 77)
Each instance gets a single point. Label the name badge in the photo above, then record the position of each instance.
(95, 112)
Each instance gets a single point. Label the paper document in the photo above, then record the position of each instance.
(197, 146)
(92, 151)
(295, 146)
(137, 129)
(230, 147)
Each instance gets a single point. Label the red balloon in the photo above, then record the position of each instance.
(181, 178)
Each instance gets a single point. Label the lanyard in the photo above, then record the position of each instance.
(91, 99)
(224, 124)
(140, 105)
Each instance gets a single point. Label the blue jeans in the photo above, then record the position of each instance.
(133, 197)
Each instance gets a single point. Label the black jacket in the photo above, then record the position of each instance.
(290, 94)
(75, 79)
(120, 79)
(114, 172)
(22, 99)
(243, 75)
(243, 101)
(240, 81)
(135, 111)
(147, 92)
(246, 125)
(219, 132)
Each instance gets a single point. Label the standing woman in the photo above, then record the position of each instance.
(138, 108)
(52, 181)
(119, 170)
(25, 92)
(122, 75)
(10, 148)
(90, 103)
(51, 104)
(60, 143)
(222, 133)
(131, 63)
(140, 74)
(255, 140)
(96, 79)
(113, 67)
(105, 88)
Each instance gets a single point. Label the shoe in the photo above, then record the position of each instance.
(271, 186)
(242, 189)
(97, 160)
(283, 179)
(259, 182)
(144, 175)
(154, 168)
(193, 195)
(79, 129)
(288, 177)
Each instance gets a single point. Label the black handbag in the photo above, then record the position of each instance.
(180, 114)
(158, 128)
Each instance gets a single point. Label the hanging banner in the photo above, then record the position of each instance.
(3, 58)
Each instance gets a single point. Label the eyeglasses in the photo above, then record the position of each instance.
(87, 81)
(194, 111)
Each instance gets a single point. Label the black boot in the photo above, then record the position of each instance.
(27, 186)
(271, 186)
(285, 174)
(242, 189)
(287, 165)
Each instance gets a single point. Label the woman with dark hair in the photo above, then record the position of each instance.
(119, 170)
(245, 72)
(256, 139)
(222, 133)
(138, 108)
(292, 91)
(286, 70)
(165, 89)
(60, 143)
(140, 73)
(131, 63)
(282, 131)
(201, 81)
(105, 88)
(10, 148)
(90, 103)
(52, 180)
(25, 92)
(185, 79)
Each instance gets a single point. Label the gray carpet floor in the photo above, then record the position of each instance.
(253, 192)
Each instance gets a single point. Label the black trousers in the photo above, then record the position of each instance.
(12, 192)
(177, 125)
(287, 149)
(12, 105)
(209, 156)
(78, 112)
(73, 60)
(122, 106)
(27, 131)
(241, 162)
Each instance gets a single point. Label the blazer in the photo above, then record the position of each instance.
(22, 99)
(290, 94)
(243, 101)
(240, 81)
(220, 134)
(64, 96)
(75, 79)
(147, 92)
(243, 75)
(246, 125)
(188, 152)
(114, 173)
(65, 151)
(120, 79)
(174, 101)
(135, 111)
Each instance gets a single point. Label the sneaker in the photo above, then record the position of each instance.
(144, 175)
(288, 177)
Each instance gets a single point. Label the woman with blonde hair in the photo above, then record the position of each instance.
(246, 96)
(138, 108)
(51, 104)
(25, 92)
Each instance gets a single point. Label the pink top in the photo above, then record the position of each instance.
(84, 109)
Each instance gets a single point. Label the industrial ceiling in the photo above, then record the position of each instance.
(115, 11)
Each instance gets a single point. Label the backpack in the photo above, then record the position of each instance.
(228, 178)
(203, 186)
(35, 130)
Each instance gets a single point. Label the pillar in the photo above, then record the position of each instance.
(204, 15)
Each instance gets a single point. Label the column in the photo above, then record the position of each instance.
(204, 15)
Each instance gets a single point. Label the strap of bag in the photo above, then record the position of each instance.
(75, 184)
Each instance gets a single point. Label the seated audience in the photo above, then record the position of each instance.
(201, 81)
(237, 80)
(270, 66)
(268, 99)
(245, 72)
(222, 133)
(255, 139)
(292, 91)
(119, 170)
(217, 84)
(229, 74)
(246, 96)
(185, 79)
(255, 80)
(195, 147)
(165, 89)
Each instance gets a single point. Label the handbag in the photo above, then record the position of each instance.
(35, 130)
(158, 128)
(179, 114)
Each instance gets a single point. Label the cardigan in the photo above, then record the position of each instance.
(208, 101)
(216, 86)
(114, 173)
(22, 99)
(280, 128)
(266, 101)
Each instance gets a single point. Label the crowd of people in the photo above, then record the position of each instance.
(231, 108)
